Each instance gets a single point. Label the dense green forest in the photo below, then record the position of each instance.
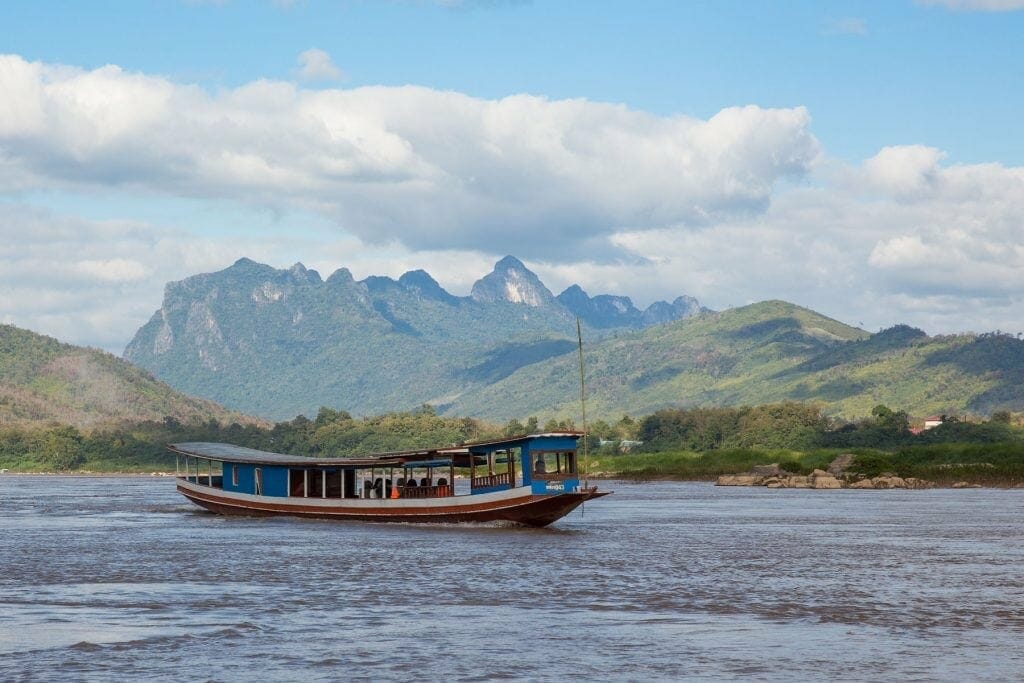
(140, 446)
(801, 426)
(692, 443)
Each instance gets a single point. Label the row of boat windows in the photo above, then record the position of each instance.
(317, 483)
(346, 484)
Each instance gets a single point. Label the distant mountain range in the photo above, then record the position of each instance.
(277, 343)
(43, 380)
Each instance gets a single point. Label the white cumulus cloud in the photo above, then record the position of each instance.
(978, 5)
(316, 65)
(96, 282)
(431, 169)
(904, 171)
(966, 236)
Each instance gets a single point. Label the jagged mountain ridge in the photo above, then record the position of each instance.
(607, 311)
(278, 343)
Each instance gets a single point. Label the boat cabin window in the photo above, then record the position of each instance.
(333, 483)
(317, 483)
(234, 475)
(548, 464)
(259, 481)
(297, 483)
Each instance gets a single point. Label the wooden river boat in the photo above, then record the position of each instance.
(530, 480)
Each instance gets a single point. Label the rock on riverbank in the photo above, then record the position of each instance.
(771, 476)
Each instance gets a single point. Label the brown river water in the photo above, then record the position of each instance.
(122, 579)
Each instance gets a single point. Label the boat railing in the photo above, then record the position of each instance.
(426, 491)
(489, 480)
(216, 481)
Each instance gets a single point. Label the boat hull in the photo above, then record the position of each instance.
(517, 506)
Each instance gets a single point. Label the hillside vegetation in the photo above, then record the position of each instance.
(763, 353)
(43, 380)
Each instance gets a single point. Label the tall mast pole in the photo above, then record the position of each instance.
(583, 406)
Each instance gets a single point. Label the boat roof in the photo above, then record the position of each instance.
(226, 452)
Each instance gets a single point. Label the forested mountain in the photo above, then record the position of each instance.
(763, 353)
(277, 343)
(43, 380)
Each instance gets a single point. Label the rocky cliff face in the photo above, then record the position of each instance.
(607, 311)
(512, 282)
(663, 312)
(419, 281)
(281, 342)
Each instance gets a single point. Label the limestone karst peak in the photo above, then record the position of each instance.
(513, 282)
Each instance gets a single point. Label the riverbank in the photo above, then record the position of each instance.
(945, 465)
(998, 465)
(77, 473)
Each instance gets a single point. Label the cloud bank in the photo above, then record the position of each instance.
(735, 208)
(431, 169)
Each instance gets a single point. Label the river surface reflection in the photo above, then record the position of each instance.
(105, 578)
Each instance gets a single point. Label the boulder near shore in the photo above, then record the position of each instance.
(837, 477)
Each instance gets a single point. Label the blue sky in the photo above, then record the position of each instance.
(861, 158)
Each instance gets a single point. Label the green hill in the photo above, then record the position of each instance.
(43, 380)
(762, 353)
